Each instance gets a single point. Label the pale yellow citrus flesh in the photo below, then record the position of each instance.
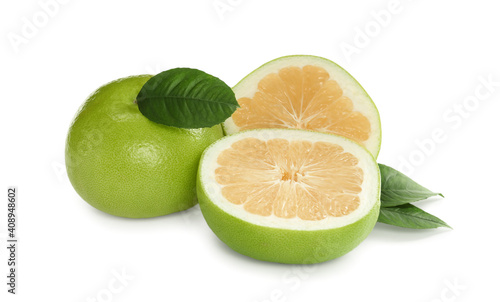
(303, 98)
(288, 179)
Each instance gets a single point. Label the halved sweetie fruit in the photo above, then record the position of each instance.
(289, 195)
(306, 92)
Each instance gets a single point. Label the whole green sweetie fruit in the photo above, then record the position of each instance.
(123, 164)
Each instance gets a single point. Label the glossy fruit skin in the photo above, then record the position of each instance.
(281, 245)
(126, 165)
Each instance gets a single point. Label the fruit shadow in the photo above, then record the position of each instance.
(187, 218)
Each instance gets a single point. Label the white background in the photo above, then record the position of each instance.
(419, 64)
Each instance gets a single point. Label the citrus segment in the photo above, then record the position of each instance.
(306, 92)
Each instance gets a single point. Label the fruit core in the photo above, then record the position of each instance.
(288, 179)
(303, 98)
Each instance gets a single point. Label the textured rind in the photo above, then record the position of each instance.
(126, 165)
(280, 245)
(374, 150)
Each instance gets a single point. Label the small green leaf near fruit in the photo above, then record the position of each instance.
(186, 98)
(409, 216)
(399, 189)
(397, 192)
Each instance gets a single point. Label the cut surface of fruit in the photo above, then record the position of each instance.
(306, 92)
(316, 188)
(290, 179)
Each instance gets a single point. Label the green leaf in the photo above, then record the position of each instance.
(186, 98)
(409, 216)
(398, 189)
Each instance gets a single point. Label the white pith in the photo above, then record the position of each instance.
(351, 89)
(368, 196)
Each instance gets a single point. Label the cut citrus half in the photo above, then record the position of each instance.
(289, 195)
(306, 92)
